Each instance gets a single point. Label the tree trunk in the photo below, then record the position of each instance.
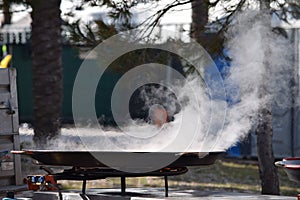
(199, 20)
(213, 43)
(47, 69)
(6, 12)
(267, 170)
(264, 131)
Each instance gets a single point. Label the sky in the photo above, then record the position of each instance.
(182, 14)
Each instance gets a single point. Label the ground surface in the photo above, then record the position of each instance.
(158, 194)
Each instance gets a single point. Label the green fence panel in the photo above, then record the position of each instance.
(71, 63)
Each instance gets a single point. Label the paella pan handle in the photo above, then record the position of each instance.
(279, 164)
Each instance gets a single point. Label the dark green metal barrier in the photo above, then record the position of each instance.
(71, 63)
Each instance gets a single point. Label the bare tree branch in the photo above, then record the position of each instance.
(159, 14)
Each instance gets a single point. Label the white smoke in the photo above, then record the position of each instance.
(260, 58)
(260, 71)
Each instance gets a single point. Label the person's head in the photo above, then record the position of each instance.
(158, 115)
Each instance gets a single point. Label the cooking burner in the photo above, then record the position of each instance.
(86, 167)
(101, 173)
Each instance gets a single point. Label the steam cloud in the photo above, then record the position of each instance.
(260, 73)
(260, 58)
